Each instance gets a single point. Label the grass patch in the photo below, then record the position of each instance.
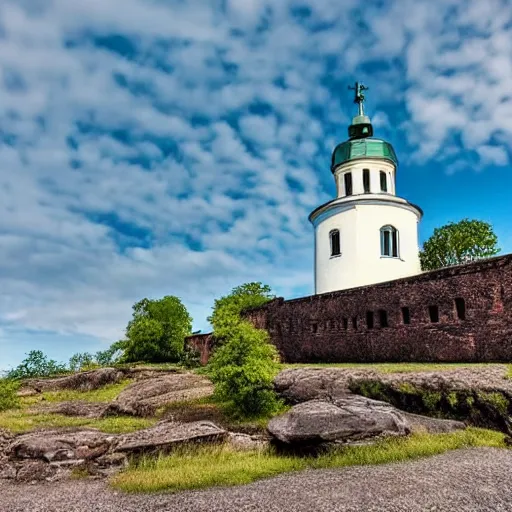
(104, 394)
(18, 421)
(197, 468)
(396, 367)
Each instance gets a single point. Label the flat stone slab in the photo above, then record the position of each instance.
(142, 398)
(167, 435)
(346, 420)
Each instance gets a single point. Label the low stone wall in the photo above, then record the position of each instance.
(456, 314)
(202, 344)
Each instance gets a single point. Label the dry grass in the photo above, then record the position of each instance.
(197, 468)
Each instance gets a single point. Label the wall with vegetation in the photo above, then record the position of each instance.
(456, 314)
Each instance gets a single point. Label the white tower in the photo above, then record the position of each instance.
(367, 234)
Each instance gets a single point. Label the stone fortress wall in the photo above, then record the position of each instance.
(456, 314)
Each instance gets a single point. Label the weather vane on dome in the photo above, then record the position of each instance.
(359, 96)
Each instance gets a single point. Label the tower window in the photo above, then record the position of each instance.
(460, 306)
(369, 319)
(433, 312)
(348, 183)
(383, 318)
(406, 315)
(389, 241)
(366, 181)
(335, 242)
(383, 181)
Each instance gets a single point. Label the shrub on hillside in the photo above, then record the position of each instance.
(243, 369)
(157, 331)
(8, 394)
(36, 364)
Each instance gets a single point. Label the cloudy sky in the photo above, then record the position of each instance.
(152, 147)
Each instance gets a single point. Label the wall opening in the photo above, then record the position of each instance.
(383, 181)
(366, 181)
(460, 306)
(354, 323)
(369, 319)
(383, 318)
(433, 312)
(348, 183)
(334, 236)
(345, 323)
(314, 327)
(406, 315)
(389, 241)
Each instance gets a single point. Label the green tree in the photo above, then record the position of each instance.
(80, 361)
(458, 243)
(157, 331)
(36, 364)
(243, 369)
(8, 394)
(227, 309)
(244, 364)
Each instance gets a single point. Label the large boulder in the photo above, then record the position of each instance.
(165, 436)
(142, 398)
(346, 420)
(54, 445)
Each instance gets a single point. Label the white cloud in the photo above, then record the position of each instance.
(125, 174)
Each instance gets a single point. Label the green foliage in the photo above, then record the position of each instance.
(370, 389)
(457, 243)
(407, 388)
(227, 310)
(80, 361)
(36, 364)
(243, 369)
(452, 400)
(495, 400)
(157, 331)
(431, 399)
(111, 355)
(8, 394)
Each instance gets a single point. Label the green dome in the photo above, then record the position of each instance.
(362, 148)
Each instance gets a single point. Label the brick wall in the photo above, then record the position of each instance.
(457, 314)
(202, 344)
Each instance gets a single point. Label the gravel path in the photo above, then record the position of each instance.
(465, 480)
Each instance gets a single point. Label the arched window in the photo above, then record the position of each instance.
(383, 181)
(389, 242)
(334, 235)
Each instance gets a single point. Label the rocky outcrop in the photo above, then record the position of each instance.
(142, 398)
(165, 436)
(82, 381)
(420, 424)
(299, 385)
(52, 454)
(78, 408)
(346, 420)
(302, 384)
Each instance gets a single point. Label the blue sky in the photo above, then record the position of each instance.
(176, 147)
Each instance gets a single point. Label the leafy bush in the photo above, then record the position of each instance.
(227, 310)
(36, 364)
(190, 358)
(8, 397)
(243, 369)
(157, 331)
